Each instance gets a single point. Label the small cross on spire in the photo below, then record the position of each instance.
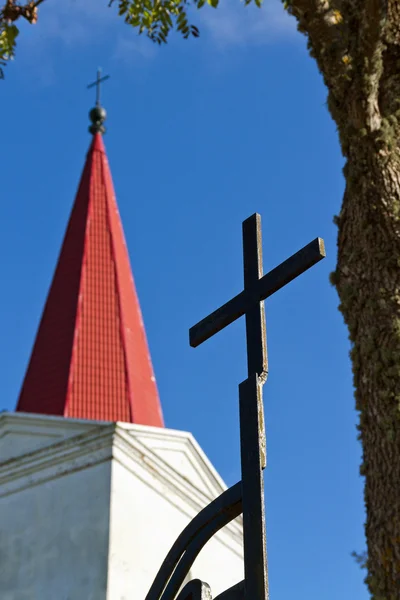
(98, 114)
(97, 83)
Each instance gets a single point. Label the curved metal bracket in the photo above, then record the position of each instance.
(196, 534)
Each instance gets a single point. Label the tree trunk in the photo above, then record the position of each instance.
(368, 282)
(356, 44)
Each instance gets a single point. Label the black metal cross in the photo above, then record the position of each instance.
(252, 432)
(256, 289)
(97, 83)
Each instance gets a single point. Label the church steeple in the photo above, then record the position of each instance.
(90, 359)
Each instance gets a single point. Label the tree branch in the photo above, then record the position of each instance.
(346, 37)
(326, 24)
(11, 11)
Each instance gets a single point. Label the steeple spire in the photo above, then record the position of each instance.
(90, 359)
(98, 114)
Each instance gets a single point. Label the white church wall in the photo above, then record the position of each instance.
(143, 526)
(54, 537)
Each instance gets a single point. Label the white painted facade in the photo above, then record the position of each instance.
(88, 510)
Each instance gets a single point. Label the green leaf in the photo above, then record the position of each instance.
(8, 36)
(168, 20)
(213, 3)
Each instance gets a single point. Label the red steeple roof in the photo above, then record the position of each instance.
(90, 359)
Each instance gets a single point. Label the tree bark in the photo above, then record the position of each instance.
(368, 282)
(357, 47)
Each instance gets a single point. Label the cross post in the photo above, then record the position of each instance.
(250, 302)
(97, 83)
(255, 317)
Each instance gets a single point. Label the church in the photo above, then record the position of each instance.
(94, 489)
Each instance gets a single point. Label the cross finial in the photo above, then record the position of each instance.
(97, 83)
(97, 114)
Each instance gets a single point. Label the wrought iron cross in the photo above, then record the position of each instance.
(256, 289)
(97, 83)
(252, 433)
(247, 496)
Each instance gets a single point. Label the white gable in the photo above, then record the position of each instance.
(181, 452)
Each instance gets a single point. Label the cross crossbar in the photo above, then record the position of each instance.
(270, 283)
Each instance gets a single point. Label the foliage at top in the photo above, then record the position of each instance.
(154, 18)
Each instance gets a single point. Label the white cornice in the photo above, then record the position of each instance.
(21, 420)
(57, 459)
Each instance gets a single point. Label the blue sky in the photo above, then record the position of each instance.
(201, 134)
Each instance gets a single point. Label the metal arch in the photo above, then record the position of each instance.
(196, 534)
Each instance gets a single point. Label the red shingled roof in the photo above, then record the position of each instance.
(91, 359)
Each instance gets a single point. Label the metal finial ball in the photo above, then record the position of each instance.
(97, 116)
(98, 113)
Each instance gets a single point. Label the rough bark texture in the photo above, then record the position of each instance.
(368, 282)
(357, 47)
